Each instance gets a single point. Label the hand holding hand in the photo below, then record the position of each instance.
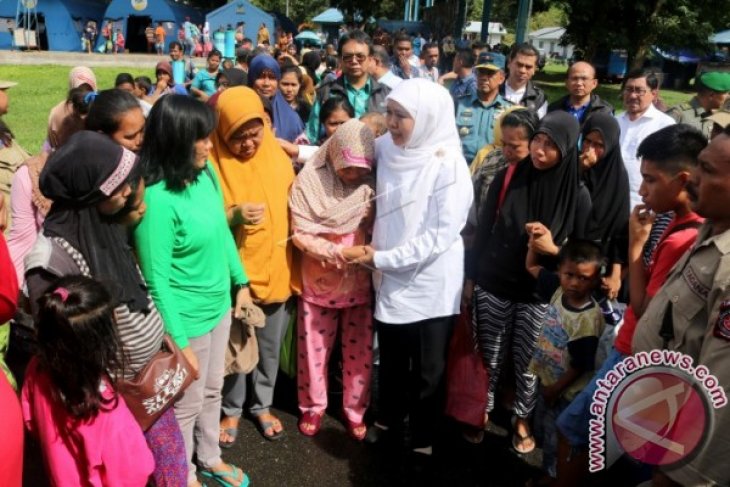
(367, 253)
(541, 239)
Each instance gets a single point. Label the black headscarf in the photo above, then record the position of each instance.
(608, 184)
(547, 196)
(85, 171)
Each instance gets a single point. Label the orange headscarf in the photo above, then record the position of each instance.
(266, 248)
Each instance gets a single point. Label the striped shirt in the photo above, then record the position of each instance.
(140, 333)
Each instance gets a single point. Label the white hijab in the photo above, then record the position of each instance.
(432, 108)
(407, 175)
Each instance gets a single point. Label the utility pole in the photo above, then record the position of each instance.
(460, 19)
(486, 14)
(523, 18)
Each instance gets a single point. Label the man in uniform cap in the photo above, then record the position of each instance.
(477, 113)
(713, 89)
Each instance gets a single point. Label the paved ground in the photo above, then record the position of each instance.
(81, 59)
(333, 459)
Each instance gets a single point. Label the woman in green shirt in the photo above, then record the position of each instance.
(190, 261)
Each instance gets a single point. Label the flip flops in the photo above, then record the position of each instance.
(518, 440)
(233, 433)
(224, 478)
(264, 425)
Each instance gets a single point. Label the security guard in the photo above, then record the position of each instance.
(476, 114)
(713, 92)
(697, 297)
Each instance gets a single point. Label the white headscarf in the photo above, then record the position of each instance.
(407, 176)
(432, 108)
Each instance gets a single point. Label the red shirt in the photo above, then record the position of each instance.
(668, 251)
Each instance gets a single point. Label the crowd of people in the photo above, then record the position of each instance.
(348, 199)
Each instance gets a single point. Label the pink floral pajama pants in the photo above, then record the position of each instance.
(317, 331)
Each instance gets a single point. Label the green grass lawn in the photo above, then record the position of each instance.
(552, 80)
(39, 89)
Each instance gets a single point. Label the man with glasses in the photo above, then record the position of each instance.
(477, 113)
(640, 119)
(363, 92)
(580, 100)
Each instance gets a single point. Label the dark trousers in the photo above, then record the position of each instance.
(412, 365)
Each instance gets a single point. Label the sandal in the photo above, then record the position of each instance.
(310, 423)
(472, 435)
(264, 425)
(357, 431)
(519, 440)
(223, 478)
(232, 432)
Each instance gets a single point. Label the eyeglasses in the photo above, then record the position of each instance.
(350, 56)
(630, 90)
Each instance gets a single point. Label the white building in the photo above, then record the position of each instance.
(495, 31)
(547, 41)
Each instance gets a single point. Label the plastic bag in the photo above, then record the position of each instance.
(467, 379)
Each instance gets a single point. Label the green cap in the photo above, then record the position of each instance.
(716, 81)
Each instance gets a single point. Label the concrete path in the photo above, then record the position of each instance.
(81, 59)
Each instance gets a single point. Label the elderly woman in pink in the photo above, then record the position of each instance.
(331, 207)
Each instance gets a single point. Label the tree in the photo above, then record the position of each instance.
(636, 25)
(361, 10)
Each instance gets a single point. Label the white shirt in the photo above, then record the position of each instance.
(632, 134)
(390, 80)
(419, 257)
(515, 96)
(432, 74)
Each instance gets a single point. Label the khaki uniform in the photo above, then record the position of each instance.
(694, 115)
(699, 290)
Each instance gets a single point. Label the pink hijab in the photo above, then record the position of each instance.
(320, 202)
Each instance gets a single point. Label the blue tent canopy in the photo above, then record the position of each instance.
(133, 16)
(61, 22)
(241, 11)
(329, 16)
(722, 37)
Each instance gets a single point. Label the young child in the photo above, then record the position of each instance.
(667, 159)
(375, 122)
(118, 42)
(331, 207)
(142, 86)
(87, 434)
(565, 353)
